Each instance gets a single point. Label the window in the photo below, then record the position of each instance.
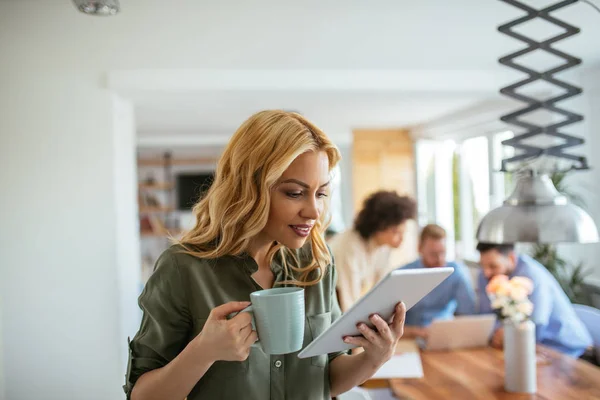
(434, 186)
(471, 189)
(425, 157)
(504, 182)
(458, 183)
(335, 205)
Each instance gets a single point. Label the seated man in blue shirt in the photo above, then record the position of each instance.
(454, 295)
(556, 324)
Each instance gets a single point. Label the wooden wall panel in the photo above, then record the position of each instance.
(384, 159)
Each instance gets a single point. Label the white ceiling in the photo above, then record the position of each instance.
(330, 34)
(397, 35)
(218, 112)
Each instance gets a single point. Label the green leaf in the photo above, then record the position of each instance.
(570, 277)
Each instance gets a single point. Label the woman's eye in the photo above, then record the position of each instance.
(321, 195)
(294, 195)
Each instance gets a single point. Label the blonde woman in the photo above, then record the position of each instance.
(260, 225)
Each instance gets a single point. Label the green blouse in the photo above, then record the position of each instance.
(176, 302)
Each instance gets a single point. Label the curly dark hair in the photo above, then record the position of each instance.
(383, 209)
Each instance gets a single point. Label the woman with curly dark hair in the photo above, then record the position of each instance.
(362, 253)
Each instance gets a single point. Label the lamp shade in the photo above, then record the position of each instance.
(98, 7)
(537, 213)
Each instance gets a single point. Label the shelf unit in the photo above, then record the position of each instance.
(156, 209)
(156, 205)
(157, 199)
(160, 234)
(156, 186)
(159, 218)
(160, 162)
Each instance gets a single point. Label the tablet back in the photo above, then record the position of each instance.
(407, 285)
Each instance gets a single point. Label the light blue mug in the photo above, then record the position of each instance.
(278, 317)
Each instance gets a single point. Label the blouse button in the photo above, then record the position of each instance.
(277, 363)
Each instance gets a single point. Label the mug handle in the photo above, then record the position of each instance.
(250, 310)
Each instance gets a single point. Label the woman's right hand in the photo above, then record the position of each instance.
(227, 339)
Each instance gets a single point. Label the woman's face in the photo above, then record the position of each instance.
(391, 236)
(298, 199)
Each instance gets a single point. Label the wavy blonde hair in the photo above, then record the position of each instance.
(236, 206)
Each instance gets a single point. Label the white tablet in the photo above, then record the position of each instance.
(407, 285)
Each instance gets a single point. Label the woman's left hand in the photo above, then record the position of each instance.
(380, 343)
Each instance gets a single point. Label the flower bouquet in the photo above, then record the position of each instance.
(510, 297)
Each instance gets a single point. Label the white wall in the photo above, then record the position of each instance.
(128, 260)
(591, 83)
(59, 278)
(69, 272)
(61, 330)
(2, 380)
(587, 183)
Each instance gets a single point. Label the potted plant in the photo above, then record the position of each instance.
(570, 276)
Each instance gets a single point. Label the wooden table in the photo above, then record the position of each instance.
(479, 374)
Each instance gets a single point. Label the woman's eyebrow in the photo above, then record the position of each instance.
(304, 185)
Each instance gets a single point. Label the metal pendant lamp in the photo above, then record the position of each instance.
(98, 7)
(536, 212)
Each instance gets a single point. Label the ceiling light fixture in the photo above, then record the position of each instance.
(98, 7)
(536, 212)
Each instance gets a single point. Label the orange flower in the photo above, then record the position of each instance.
(517, 293)
(523, 282)
(525, 307)
(498, 283)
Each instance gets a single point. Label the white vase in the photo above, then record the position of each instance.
(519, 357)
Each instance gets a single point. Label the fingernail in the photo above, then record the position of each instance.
(346, 340)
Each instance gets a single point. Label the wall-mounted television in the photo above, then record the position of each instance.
(190, 187)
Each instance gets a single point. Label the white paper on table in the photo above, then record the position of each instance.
(405, 364)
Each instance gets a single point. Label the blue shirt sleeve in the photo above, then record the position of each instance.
(541, 297)
(556, 323)
(465, 295)
(412, 265)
